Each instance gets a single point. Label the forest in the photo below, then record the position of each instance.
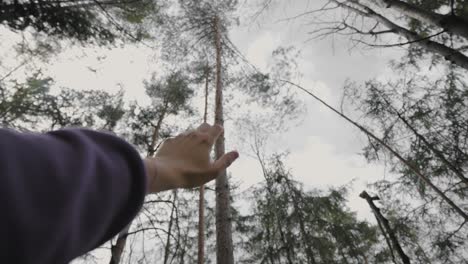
(350, 117)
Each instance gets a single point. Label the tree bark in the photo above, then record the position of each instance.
(169, 229)
(201, 202)
(451, 22)
(224, 248)
(449, 54)
(391, 234)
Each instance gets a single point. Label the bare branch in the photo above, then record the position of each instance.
(449, 54)
(450, 23)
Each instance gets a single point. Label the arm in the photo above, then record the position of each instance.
(63, 193)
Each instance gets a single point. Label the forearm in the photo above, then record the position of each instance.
(73, 189)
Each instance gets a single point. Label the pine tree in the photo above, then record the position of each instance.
(31, 105)
(169, 96)
(291, 225)
(207, 21)
(85, 21)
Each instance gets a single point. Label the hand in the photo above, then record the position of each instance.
(184, 161)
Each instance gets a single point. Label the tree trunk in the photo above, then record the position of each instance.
(118, 248)
(169, 229)
(387, 240)
(391, 234)
(201, 202)
(224, 248)
(449, 54)
(451, 23)
(155, 136)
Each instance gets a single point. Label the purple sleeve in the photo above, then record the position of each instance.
(65, 192)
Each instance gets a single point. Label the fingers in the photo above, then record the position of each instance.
(225, 161)
(213, 131)
(205, 127)
(201, 137)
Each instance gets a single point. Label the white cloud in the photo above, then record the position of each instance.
(321, 165)
(260, 49)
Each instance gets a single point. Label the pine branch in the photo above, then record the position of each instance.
(413, 168)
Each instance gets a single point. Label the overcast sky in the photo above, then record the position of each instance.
(324, 149)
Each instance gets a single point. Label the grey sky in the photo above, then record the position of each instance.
(324, 148)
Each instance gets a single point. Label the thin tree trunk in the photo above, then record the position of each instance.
(207, 82)
(157, 128)
(387, 240)
(413, 168)
(118, 248)
(451, 23)
(380, 218)
(201, 201)
(169, 229)
(449, 54)
(224, 248)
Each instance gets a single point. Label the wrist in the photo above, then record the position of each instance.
(157, 175)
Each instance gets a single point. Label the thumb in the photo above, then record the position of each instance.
(225, 161)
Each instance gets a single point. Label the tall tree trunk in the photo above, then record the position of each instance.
(451, 23)
(118, 248)
(413, 168)
(201, 202)
(448, 53)
(391, 234)
(169, 229)
(224, 248)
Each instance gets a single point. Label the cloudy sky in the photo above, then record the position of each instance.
(324, 149)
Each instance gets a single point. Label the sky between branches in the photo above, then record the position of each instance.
(324, 150)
